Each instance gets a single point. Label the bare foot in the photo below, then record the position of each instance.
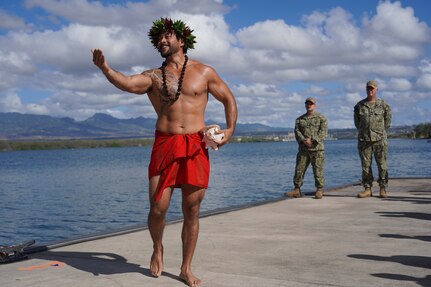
(190, 279)
(156, 264)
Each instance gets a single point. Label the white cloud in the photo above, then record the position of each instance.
(315, 90)
(425, 66)
(11, 102)
(399, 84)
(10, 22)
(396, 24)
(424, 81)
(353, 98)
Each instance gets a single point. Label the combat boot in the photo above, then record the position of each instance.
(366, 193)
(383, 193)
(319, 193)
(296, 192)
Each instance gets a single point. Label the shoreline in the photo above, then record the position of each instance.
(60, 144)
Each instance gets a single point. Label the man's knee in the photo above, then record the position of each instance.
(157, 211)
(191, 208)
(156, 214)
(192, 198)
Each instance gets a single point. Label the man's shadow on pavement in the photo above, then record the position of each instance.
(414, 261)
(399, 236)
(425, 282)
(414, 215)
(408, 260)
(98, 263)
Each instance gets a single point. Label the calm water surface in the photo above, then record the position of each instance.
(60, 194)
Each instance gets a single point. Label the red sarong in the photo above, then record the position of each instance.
(179, 159)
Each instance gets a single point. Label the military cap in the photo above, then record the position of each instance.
(311, 99)
(372, 83)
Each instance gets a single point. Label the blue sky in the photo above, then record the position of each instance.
(272, 54)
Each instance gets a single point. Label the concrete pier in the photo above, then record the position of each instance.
(339, 240)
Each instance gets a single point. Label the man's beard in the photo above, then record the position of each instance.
(166, 53)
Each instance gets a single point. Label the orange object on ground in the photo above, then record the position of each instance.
(179, 159)
(43, 266)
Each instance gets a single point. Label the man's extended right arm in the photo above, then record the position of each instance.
(137, 84)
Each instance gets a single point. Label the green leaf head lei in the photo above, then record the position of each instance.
(163, 25)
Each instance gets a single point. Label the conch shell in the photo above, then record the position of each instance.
(211, 138)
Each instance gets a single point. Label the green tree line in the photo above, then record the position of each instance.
(6, 145)
(423, 130)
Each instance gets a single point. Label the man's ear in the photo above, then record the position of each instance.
(182, 42)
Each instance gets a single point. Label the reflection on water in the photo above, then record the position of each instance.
(60, 194)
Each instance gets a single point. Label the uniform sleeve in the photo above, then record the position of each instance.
(323, 129)
(388, 116)
(356, 116)
(298, 135)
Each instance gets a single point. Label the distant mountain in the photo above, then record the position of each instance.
(129, 127)
(15, 125)
(253, 129)
(27, 126)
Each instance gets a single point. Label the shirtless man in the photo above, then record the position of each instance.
(178, 91)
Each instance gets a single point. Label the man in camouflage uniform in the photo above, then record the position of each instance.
(310, 131)
(372, 118)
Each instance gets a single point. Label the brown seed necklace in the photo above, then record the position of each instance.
(166, 98)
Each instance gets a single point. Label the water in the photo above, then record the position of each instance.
(61, 194)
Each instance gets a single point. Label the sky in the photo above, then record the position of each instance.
(272, 54)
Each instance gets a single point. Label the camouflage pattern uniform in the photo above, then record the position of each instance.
(372, 122)
(315, 127)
